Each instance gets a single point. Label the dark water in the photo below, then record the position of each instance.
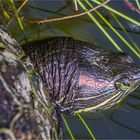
(121, 122)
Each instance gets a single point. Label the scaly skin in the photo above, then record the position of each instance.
(80, 76)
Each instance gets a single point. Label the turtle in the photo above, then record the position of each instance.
(81, 76)
(61, 73)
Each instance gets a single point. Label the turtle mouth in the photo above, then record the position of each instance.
(136, 83)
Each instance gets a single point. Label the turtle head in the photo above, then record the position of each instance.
(105, 80)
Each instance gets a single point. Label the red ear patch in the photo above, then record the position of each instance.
(84, 80)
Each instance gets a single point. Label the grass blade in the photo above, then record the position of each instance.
(122, 27)
(138, 4)
(19, 21)
(100, 26)
(118, 13)
(69, 131)
(91, 134)
(116, 32)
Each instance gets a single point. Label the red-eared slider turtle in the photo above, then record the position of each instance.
(80, 76)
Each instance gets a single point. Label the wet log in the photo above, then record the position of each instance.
(26, 111)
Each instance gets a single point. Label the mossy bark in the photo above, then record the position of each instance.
(26, 111)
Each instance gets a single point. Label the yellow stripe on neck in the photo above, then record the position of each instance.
(99, 105)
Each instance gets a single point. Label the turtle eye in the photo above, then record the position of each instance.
(124, 86)
(123, 83)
